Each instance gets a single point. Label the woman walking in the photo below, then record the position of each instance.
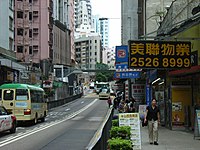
(153, 117)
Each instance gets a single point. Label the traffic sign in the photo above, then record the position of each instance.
(121, 53)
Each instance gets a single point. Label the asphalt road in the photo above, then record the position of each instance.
(69, 127)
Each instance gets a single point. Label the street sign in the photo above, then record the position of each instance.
(127, 75)
(121, 66)
(121, 53)
(159, 54)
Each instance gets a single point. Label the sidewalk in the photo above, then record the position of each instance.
(170, 140)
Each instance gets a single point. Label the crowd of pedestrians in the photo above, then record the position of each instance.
(122, 105)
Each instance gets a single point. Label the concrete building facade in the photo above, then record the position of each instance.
(61, 44)
(7, 24)
(155, 12)
(34, 31)
(63, 10)
(103, 30)
(108, 57)
(129, 20)
(83, 18)
(83, 13)
(88, 51)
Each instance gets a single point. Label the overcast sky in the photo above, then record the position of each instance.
(110, 9)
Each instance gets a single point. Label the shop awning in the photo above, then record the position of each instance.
(184, 72)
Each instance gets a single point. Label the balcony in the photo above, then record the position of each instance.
(26, 41)
(20, 40)
(26, 24)
(19, 23)
(26, 6)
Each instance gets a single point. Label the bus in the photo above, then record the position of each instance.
(101, 85)
(24, 101)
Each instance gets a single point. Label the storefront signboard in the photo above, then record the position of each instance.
(159, 54)
(132, 120)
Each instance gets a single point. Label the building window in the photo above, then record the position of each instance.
(95, 41)
(20, 31)
(20, 14)
(35, 47)
(30, 16)
(95, 53)
(19, 49)
(30, 33)
(30, 50)
(30, 1)
(11, 44)
(10, 23)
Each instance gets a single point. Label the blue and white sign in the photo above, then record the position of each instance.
(121, 53)
(21, 104)
(148, 95)
(127, 75)
(121, 66)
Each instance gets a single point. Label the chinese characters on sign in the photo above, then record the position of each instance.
(126, 75)
(132, 120)
(159, 54)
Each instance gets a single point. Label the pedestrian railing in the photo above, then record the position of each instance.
(99, 140)
(60, 102)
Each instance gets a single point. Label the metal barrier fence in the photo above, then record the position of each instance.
(99, 141)
(60, 102)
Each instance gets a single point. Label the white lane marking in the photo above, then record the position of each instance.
(67, 109)
(35, 130)
(82, 102)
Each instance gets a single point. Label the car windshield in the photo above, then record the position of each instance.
(104, 90)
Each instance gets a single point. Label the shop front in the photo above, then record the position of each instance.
(185, 97)
(155, 88)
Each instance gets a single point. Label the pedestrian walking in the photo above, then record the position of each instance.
(109, 101)
(152, 116)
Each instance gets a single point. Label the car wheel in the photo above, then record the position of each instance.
(13, 129)
(35, 120)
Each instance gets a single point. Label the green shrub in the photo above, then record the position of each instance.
(119, 144)
(124, 132)
(115, 123)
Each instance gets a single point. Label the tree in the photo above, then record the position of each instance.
(103, 76)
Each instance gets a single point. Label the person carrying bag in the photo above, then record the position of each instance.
(152, 116)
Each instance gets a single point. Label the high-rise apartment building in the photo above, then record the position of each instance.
(34, 30)
(63, 11)
(83, 13)
(7, 24)
(83, 18)
(104, 31)
(101, 26)
(88, 51)
(60, 11)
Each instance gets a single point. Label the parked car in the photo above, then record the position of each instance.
(104, 94)
(7, 121)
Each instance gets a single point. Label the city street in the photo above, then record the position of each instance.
(68, 127)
